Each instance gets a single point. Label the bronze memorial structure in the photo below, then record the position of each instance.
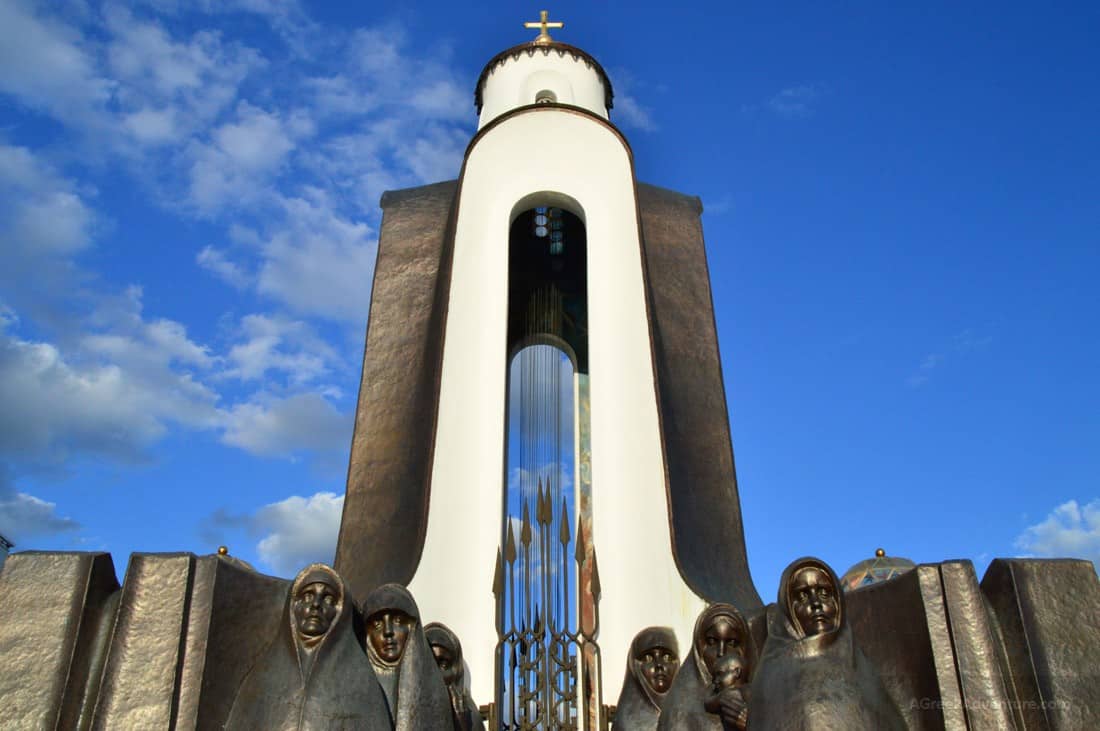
(541, 348)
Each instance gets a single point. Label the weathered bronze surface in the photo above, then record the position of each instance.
(651, 667)
(53, 607)
(448, 656)
(811, 674)
(1048, 615)
(145, 654)
(728, 696)
(702, 485)
(902, 628)
(314, 674)
(720, 630)
(406, 669)
(385, 507)
(983, 687)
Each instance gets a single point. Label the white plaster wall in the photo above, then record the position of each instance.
(584, 160)
(517, 81)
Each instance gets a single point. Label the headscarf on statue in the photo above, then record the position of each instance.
(448, 656)
(683, 709)
(654, 652)
(314, 676)
(811, 675)
(403, 661)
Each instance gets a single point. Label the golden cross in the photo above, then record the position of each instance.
(542, 25)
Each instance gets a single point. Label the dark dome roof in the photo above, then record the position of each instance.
(530, 49)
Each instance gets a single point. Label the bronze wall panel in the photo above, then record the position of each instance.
(51, 605)
(1048, 613)
(245, 616)
(143, 661)
(386, 503)
(985, 696)
(901, 627)
(709, 541)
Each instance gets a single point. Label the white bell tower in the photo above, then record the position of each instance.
(544, 140)
(510, 507)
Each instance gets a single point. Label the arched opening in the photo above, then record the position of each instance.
(546, 469)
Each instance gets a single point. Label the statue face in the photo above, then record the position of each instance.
(729, 671)
(315, 607)
(658, 666)
(813, 598)
(445, 659)
(720, 637)
(388, 631)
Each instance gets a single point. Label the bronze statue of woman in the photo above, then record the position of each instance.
(720, 630)
(448, 656)
(403, 661)
(314, 675)
(811, 675)
(651, 667)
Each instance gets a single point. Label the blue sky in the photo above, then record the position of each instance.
(902, 219)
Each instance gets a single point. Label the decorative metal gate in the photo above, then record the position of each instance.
(547, 656)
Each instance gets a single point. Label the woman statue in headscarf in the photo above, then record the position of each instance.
(811, 674)
(403, 661)
(651, 666)
(448, 656)
(719, 632)
(314, 676)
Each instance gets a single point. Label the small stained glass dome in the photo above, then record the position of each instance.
(875, 570)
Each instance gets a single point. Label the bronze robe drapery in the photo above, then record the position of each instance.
(683, 708)
(329, 686)
(639, 706)
(466, 715)
(413, 686)
(820, 682)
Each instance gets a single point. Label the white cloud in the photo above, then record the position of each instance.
(114, 397)
(168, 88)
(1070, 531)
(47, 66)
(286, 17)
(231, 272)
(433, 155)
(241, 159)
(41, 213)
(299, 531)
(628, 112)
(924, 371)
(318, 262)
(795, 101)
(24, 516)
(631, 114)
(274, 343)
(377, 51)
(282, 427)
(963, 344)
(152, 126)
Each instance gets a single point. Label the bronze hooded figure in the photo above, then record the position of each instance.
(314, 676)
(403, 661)
(448, 656)
(651, 667)
(719, 630)
(811, 674)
